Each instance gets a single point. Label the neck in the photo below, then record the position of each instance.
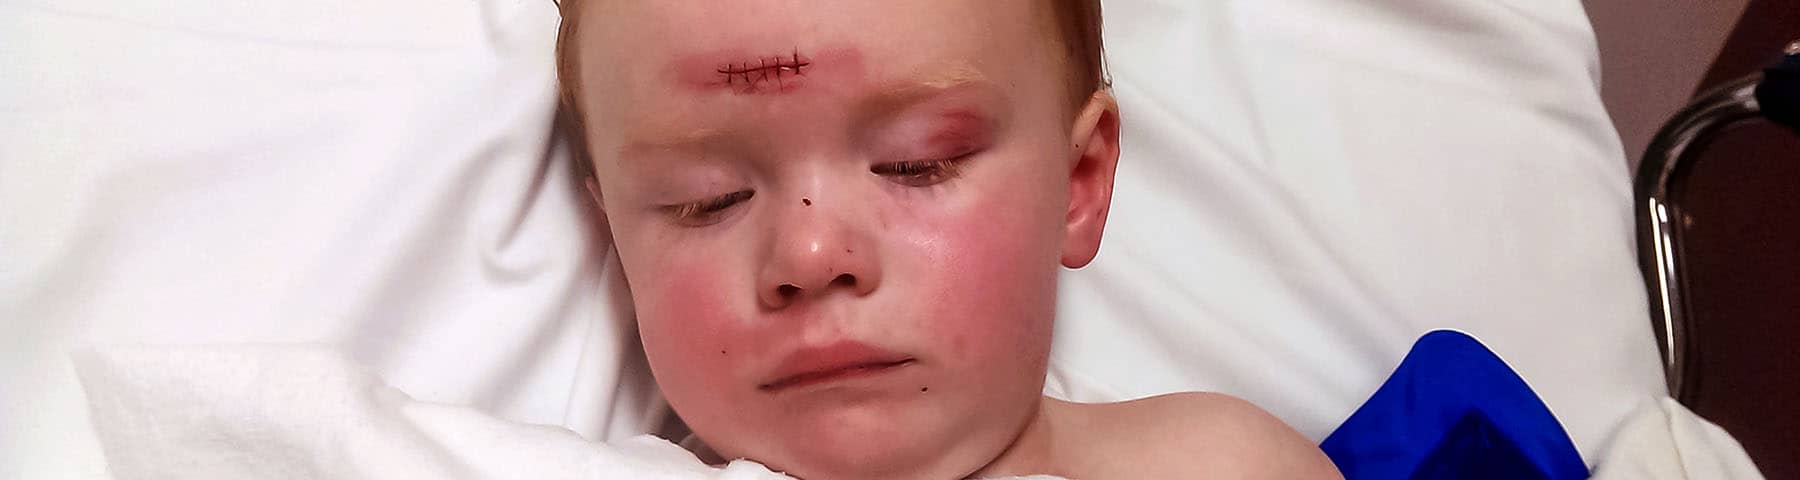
(1033, 452)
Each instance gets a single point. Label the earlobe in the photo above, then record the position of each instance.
(1094, 141)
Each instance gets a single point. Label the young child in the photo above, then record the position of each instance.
(842, 223)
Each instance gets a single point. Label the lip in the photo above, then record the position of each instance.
(833, 362)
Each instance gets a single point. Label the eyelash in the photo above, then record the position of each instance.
(918, 173)
(922, 173)
(707, 212)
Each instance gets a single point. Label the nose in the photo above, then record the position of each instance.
(817, 247)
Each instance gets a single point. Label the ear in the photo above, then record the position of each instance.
(1094, 146)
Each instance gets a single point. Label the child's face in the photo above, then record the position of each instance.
(877, 192)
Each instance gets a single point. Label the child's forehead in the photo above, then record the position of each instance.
(707, 112)
(667, 71)
(646, 40)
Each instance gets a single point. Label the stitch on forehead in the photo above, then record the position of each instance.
(766, 74)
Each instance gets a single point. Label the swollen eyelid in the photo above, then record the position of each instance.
(921, 173)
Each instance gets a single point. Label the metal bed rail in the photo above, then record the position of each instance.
(1773, 95)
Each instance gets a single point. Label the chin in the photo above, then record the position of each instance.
(864, 443)
(878, 444)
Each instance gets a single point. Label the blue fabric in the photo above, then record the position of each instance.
(1453, 410)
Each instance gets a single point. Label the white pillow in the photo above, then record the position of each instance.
(1309, 185)
(375, 175)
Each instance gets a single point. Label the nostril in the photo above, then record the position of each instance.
(844, 279)
(787, 290)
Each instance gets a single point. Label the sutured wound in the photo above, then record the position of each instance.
(757, 76)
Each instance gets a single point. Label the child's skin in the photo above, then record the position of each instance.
(880, 192)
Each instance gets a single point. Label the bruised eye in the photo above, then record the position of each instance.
(708, 211)
(921, 173)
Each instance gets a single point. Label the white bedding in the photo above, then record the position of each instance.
(297, 412)
(377, 176)
(1309, 185)
(1701, 450)
(293, 412)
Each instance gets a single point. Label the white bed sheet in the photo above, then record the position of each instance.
(1309, 185)
(272, 412)
(282, 411)
(376, 176)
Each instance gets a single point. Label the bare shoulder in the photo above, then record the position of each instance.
(1190, 435)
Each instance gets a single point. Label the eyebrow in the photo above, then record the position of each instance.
(896, 96)
(887, 100)
(679, 140)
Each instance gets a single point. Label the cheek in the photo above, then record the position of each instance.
(686, 322)
(673, 308)
(993, 281)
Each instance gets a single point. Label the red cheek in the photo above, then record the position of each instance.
(687, 323)
(994, 279)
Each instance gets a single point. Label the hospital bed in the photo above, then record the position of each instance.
(1672, 153)
(1308, 186)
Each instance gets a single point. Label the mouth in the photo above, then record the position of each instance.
(833, 363)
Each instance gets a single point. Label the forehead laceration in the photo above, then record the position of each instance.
(770, 74)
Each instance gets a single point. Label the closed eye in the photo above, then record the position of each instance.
(708, 211)
(921, 173)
